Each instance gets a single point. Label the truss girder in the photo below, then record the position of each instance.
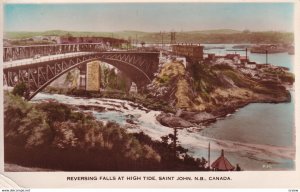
(24, 52)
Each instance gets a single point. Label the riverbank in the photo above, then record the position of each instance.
(193, 118)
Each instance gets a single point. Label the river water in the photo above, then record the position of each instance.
(266, 124)
(257, 137)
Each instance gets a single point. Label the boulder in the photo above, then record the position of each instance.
(171, 120)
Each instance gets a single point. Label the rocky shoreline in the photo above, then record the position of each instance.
(217, 90)
(188, 119)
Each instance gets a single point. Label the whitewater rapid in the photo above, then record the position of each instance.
(249, 156)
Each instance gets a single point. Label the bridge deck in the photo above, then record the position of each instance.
(20, 62)
(29, 61)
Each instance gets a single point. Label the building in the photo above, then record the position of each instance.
(232, 56)
(211, 56)
(250, 65)
(133, 88)
(104, 40)
(243, 59)
(222, 164)
(194, 52)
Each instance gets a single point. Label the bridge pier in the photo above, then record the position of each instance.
(82, 76)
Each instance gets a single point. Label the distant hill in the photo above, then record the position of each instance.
(203, 36)
(216, 31)
(119, 34)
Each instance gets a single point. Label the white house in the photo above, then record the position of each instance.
(133, 88)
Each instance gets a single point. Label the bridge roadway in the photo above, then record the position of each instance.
(29, 51)
(29, 61)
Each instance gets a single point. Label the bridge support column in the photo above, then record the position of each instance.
(93, 76)
(82, 77)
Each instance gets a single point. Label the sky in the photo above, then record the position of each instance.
(150, 17)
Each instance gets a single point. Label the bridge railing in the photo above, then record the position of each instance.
(26, 52)
(29, 61)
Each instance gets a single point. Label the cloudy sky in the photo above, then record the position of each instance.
(149, 16)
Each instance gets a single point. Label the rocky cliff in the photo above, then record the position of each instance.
(205, 91)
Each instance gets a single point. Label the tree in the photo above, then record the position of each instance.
(246, 31)
(24, 125)
(55, 111)
(22, 90)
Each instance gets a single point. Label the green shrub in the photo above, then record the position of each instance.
(24, 124)
(21, 89)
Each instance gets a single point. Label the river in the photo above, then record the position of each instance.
(257, 137)
(266, 124)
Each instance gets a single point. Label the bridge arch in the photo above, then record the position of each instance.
(83, 63)
(40, 75)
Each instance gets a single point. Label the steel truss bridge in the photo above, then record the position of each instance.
(23, 52)
(38, 73)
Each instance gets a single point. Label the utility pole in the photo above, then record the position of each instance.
(208, 156)
(266, 56)
(136, 41)
(162, 39)
(175, 143)
(173, 38)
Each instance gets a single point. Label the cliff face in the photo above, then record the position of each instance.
(173, 84)
(217, 87)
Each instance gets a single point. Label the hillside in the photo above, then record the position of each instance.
(204, 36)
(119, 34)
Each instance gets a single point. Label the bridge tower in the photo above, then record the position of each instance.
(173, 38)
